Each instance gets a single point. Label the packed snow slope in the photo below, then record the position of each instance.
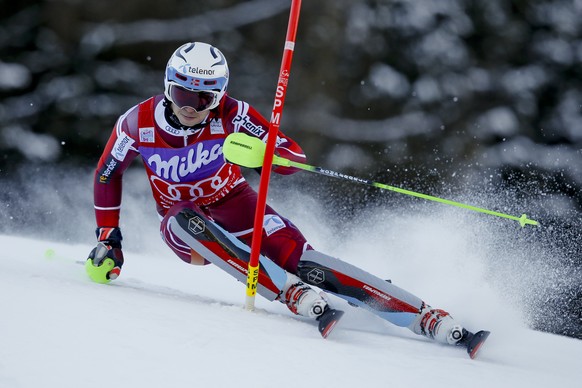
(164, 323)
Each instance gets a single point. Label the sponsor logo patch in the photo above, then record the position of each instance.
(272, 223)
(241, 121)
(316, 276)
(122, 146)
(376, 292)
(238, 266)
(171, 130)
(216, 127)
(147, 135)
(196, 225)
(185, 164)
(109, 168)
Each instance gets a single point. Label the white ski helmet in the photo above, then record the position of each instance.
(196, 76)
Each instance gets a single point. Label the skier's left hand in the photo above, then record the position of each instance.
(106, 259)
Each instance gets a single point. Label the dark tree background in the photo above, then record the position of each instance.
(430, 95)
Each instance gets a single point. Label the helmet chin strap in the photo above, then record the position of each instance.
(175, 122)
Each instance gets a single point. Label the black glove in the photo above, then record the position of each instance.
(106, 259)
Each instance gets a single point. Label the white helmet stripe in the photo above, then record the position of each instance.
(241, 111)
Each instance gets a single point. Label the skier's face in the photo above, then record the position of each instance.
(188, 116)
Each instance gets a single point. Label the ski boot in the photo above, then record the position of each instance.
(439, 325)
(303, 300)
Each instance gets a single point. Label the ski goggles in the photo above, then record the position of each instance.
(198, 101)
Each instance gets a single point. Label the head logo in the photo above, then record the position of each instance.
(196, 70)
(196, 225)
(316, 276)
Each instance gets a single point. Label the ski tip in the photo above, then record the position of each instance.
(328, 320)
(476, 342)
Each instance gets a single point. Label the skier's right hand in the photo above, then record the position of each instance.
(106, 259)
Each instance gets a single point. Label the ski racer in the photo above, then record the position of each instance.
(179, 136)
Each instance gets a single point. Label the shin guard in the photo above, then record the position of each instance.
(359, 287)
(225, 251)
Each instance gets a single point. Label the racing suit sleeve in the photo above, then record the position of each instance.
(107, 186)
(244, 118)
(287, 148)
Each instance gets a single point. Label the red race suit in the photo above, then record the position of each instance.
(186, 167)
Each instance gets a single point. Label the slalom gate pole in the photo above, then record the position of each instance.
(281, 91)
(248, 151)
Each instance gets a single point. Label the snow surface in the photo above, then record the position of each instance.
(164, 323)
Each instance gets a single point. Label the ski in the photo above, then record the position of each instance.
(328, 320)
(473, 342)
(223, 250)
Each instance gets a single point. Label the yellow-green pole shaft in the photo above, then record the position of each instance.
(523, 220)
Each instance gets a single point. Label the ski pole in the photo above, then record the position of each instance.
(248, 151)
(268, 153)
